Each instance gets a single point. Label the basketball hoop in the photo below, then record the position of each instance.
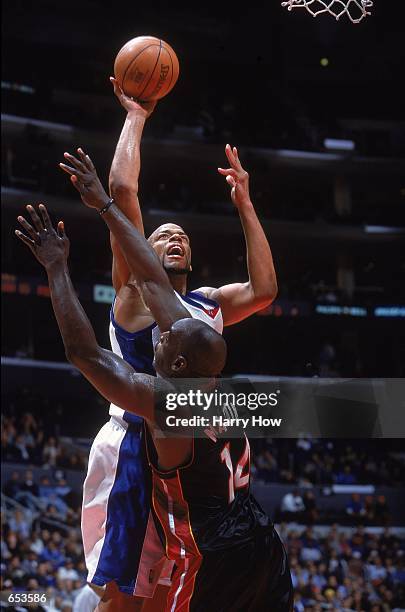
(356, 10)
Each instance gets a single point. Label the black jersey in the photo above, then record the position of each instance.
(207, 513)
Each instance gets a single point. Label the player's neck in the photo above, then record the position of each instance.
(179, 282)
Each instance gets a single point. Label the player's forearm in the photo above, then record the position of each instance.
(142, 260)
(113, 378)
(262, 275)
(75, 328)
(146, 269)
(125, 168)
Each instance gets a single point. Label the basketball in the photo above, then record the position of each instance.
(146, 68)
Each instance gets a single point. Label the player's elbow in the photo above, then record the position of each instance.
(79, 355)
(123, 190)
(265, 295)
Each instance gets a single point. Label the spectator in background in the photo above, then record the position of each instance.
(381, 511)
(29, 486)
(346, 477)
(21, 450)
(19, 524)
(375, 569)
(51, 452)
(13, 485)
(52, 554)
(355, 508)
(369, 508)
(311, 511)
(292, 506)
(266, 465)
(67, 571)
(311, 550)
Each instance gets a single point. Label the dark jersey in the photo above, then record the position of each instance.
(207, 512)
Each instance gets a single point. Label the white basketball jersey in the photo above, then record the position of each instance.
(137, 347)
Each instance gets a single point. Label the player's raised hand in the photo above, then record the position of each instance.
(144, 108)
(49, 246)
(84, 178)
(236, 177)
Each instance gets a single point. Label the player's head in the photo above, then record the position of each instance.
(172, 246)
(191, 349)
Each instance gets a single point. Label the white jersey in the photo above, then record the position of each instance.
(137, 347)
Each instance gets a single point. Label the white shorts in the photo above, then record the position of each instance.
(120, 540)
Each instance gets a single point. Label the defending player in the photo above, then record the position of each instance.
(131, 332)
(227, 555)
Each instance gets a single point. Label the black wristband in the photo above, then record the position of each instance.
(103, 210)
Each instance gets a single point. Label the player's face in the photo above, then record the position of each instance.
(165, 353)
(172, 246)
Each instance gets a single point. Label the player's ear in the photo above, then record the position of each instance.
(179, 364)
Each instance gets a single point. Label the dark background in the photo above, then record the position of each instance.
(251, 76)
(253, 79)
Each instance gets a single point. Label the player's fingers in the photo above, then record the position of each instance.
(231, 181)
(82, 155)
(30, 243)
(90, 164)
(117, 89)
(76, 183)
(230, 155)
(72, 172)
(227, 171)
(61, 229)
(45, 217)
(28, 228)
(35, 218)
(86, 160)
(75, 162)
(68, 169)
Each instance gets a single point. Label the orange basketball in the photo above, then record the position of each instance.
(146, 68)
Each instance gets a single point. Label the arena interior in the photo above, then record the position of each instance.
(316, 110)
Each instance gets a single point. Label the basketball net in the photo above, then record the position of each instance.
(356, 10)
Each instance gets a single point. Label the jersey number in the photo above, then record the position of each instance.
(237, 480)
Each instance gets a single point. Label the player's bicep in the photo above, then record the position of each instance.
(237, 301)
(118, 382)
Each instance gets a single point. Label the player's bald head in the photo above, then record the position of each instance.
(193, 350)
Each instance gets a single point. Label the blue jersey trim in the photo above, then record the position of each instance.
(123, 332)
(188, 298)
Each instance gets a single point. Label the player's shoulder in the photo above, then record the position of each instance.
(207, 292)
(210, 295)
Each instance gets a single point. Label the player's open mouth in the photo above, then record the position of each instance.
(175, 252)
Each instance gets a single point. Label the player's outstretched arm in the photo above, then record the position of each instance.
(240, 300)
(124, 175)
(115, 379)
(142, 260)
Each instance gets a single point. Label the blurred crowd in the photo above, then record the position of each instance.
(332, 568)
(308, 461)
(26, 439)
(303, 507)
(358, 571)
(41, 546)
